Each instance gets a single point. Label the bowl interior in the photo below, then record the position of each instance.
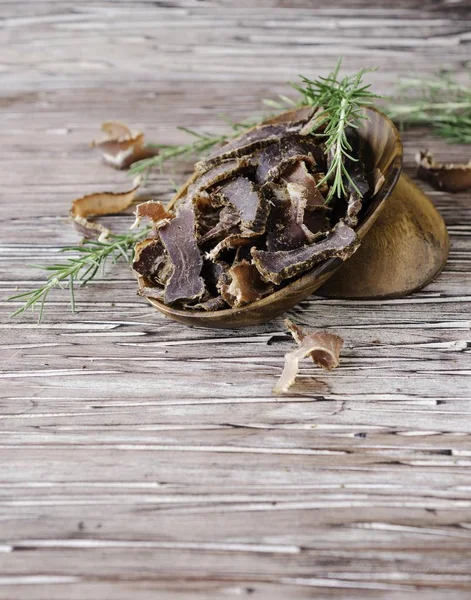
(381, 148)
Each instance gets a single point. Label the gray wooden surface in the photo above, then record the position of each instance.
(143, 459)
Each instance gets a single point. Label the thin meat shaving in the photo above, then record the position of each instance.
(323, 347)
(99, 204)
(120, 147)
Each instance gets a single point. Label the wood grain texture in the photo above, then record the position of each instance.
(141, 458)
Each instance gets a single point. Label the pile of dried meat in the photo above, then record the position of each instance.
(253, 218)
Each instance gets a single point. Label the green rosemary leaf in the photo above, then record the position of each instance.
(440, 102)
(78, 269)
(72, 295)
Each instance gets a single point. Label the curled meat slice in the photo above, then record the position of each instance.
(120, 147)
(243, 285)
(326, 360)
(234, 240)
(148, 289)
(98, 204)
(286, 228)
(151, 260)
(256, 138)
(278, 266)
(229, 219)
(251, 204)
(276, 158)
(215, 175)
(178, 237)
(443, 176)
(301, 176)
(322, 346)
(152, 210)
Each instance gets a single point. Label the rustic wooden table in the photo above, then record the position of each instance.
(141, 458)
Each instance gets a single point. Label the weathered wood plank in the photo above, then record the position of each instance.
(142, 458)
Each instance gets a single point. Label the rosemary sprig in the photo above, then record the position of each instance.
(440, 102)
(340, 103)
(89, 259)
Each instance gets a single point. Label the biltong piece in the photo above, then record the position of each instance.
(242, 284)
(276, 158)
(341, 242)
(255, 139)
(250, 203)
(323, 347)
(178, 237)
(448, 177)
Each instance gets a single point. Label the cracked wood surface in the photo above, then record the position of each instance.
(141, 458)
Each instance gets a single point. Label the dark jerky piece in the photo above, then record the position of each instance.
(217, 303)
(448, 177)
(290, 224)
(304, 207)
(276, 158)
(357, 184)
(216, 175)
(300, 175)
(285, 228)
(211, 272)
(178, 237)
(251, 204)
(148, 289)
(355, 167)
(256, 138)
(151, 260)
(318, 220)
(242, 285)
(235, 240)
(206, 214)
(226, 225)
(356, 170)
(278, 266)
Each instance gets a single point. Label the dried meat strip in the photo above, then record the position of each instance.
(216, 175)
(255, 139)
(178, 237)
(250, 203)
(284, 264)
(243, 285)
(448, 177)
(276, 158)
(120, 147)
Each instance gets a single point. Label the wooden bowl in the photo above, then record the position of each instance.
(382, 149)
